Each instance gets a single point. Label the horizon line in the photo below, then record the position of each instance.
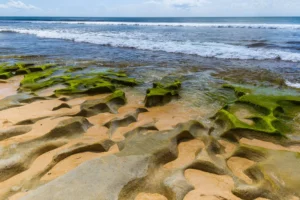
(152, 16)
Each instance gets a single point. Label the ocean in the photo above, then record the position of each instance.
(272, 42)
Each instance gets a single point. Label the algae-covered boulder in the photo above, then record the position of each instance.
(40, 67)
(260, 112)
(162, 94)
(79, 81)
(88, 86)
(8, 71)
(5, 75)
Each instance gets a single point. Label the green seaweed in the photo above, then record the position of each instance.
(41, 67)
(270, 112)
(118, 96)
(6, 75)
(122, 80)
(261, 124)
(8, 71)
(85, 85)
(30, 81)
(76, 79)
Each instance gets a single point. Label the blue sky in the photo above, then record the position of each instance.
(149, 8)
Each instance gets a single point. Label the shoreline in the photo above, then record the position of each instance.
(60, 133)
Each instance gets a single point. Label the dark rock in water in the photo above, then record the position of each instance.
(257, 44)
(162, 94)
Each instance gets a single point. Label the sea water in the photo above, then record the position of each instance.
(267, 41)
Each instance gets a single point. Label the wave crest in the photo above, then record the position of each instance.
(138, 41)
(173, 24)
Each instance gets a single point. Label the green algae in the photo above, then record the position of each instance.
(122, 80)
(162, 94)
(264, 111)
(74, 69)
(117, 96)
(30, 81)
(85, 85)
(8, 71)
(77, 81)
(5, 71)
(6, 75)
(41, 67)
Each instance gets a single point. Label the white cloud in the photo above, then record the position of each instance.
(18, 5)
(185, 4)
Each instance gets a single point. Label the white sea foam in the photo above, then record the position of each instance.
(152, 42)
(209, 25)
(294, 85)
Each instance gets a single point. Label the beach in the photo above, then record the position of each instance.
(149, 108)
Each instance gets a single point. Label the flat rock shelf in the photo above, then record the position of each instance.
(108, 131)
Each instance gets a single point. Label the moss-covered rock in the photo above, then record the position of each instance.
(8, 71)
(260, 111)
(162, 94)
(22, 71)
(30, 81)
(86, 85)
(118, 97)
(40, 67)
(76, 82)
(5, 75)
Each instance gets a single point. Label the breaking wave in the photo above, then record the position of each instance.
(146, 41)
(176, 24)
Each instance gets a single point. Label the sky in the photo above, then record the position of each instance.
(150, 8)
